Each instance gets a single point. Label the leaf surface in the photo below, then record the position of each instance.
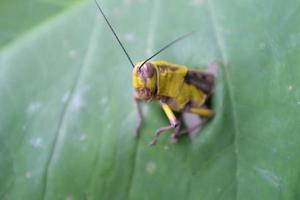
(67, 117)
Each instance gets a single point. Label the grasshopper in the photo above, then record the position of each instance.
(176, 88)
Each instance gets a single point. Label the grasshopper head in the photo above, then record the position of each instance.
(144, 80)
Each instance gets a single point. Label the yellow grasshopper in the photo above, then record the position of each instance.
(177, 88)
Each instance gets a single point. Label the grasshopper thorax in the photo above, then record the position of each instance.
(144, 80)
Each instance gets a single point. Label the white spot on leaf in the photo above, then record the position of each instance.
(72, 53)
(34, 107)
(37, 142)
(82, 137)
(69, 197)
(103, 100)
(129, 37)
(269, 176)
(77, 101)
(151, 167)
(290, 87)
(28, 174)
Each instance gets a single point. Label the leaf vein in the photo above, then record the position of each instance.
(222, 49)
(64, 112)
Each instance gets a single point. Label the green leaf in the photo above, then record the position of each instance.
(67, 117)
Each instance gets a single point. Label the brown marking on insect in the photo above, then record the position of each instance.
(202, 80)
(161, 68)
(173, 68)
(162, 99)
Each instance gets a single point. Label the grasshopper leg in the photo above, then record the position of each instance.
(176, 133)
(205, 115)
(173, 122)
(139, 117)
(158, 132)
(203, 112)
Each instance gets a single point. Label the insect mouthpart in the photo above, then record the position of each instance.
(144, 93)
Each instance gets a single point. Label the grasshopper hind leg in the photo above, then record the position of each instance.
(177, 131)
(194, 120)
(192, 123)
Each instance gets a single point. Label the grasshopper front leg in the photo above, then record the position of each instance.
(173, 123)
(139, 117)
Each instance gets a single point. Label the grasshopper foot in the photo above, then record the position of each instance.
(174, 138)
(153, 142)
(159, 131)
(176, 133)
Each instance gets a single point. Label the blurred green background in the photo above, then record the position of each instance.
(67, 118)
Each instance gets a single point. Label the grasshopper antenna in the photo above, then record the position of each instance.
(168, 45)
(113, 31)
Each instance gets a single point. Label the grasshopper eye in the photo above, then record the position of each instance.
(147, 70)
